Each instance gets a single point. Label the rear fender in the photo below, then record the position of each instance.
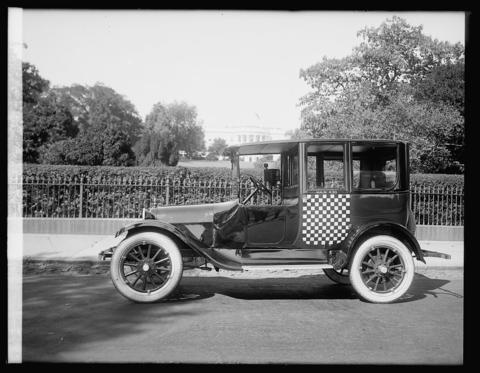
(393, 229)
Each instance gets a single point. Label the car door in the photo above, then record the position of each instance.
(271, 224)
(325, 219)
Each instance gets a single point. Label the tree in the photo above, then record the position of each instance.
(98, 107)
(388, 56)
(385, 88)
(110, 148)
(108, 126)
(77, 98)
(81, 151)
(169, 129)
(117, 149)
(397, 52)
(444, 84)
(33, 85)
(218, 146)
(43, 124)
(55, 153)
(103, 123)
(44, 121)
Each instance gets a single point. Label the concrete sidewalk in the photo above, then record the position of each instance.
(74, 248)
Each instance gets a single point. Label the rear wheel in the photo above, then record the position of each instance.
(382, 269)
(339, 276)
(146, 267)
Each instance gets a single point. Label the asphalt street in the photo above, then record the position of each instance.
(224, 319)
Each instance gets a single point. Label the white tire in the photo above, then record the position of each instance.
(382, 269)
(146, 267)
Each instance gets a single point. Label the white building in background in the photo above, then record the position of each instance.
(252, 131)
(244, 134)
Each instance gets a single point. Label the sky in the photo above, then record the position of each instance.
(233, 66)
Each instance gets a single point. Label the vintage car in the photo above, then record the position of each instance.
(342, 206)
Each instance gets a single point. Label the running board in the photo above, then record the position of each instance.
(286, 267)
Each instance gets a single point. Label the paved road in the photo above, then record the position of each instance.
(217, 319)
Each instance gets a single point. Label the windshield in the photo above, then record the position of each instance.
(258, 173)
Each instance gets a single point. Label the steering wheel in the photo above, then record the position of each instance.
(259, 185)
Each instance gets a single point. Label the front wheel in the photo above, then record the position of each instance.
(382, 269)
(146, 267)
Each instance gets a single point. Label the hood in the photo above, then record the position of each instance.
(191, 213)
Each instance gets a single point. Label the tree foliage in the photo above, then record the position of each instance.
(99, 108)
(444, 84)
(218, 146)
(95, 125)
(169, 129)
(33, 85)
(398, 83)
(44, 121)
(44, 124)
(78, 125)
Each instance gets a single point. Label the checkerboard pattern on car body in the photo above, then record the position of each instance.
(326, 218)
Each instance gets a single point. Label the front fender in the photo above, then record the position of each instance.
(156, 225)
(382, 227)
(183, 236)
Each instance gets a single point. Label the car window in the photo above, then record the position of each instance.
(325, 166)
(374, 166)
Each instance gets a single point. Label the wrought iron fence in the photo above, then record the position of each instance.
(81, 197)
(438, 205)
(64, 197)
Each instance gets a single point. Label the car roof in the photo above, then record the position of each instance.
(279, 146)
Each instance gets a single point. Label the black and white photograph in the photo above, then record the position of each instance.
(211, 187)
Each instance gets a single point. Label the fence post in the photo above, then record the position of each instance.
(167, 191)
(81, 196)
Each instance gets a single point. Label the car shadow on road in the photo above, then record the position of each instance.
(424, 286)
(303, 287)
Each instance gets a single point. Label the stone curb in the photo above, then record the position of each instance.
(33, 266)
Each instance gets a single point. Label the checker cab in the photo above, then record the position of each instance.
(341, 206)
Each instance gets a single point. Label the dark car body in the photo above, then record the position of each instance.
(313, 222)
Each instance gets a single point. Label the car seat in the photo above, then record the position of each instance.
(372, 179)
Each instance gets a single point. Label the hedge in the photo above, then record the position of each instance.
(437, 180)
(194, 173)
(134, 173)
